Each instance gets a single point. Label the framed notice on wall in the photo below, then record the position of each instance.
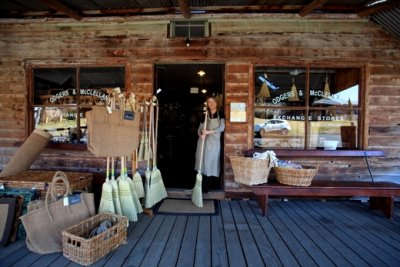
(238, 112)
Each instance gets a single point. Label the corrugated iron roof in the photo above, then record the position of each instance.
(389, 20)
(383, 12)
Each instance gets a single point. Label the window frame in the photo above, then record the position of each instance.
(190, 24)
(30, 121)
(362, 134)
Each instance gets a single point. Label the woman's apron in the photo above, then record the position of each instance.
(212, 150)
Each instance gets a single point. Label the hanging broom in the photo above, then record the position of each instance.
(137, 178)
(115, 190)
(197, 195)
(106, 201)
(148, 199)
(144, 148)
(135, 198)
(125, 196)
(156, 183)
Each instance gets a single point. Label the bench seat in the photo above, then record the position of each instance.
(381, 194)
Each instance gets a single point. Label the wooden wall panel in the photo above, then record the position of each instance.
(239, 41)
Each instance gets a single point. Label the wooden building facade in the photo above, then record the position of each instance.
(239, 42)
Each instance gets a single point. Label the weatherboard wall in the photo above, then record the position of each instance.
(239, 41)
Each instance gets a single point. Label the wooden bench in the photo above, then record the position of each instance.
(381, 195)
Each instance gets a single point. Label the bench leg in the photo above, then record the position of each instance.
(385, 204)
(263, 203)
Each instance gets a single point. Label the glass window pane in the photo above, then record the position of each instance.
(61, 122)
(95, 81)
(334, 87)
(338, 129)
(279, 128)
(54, 86)
(280, 86)
(189, 28)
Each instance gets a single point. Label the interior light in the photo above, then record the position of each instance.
(201, 73)
(203, 91)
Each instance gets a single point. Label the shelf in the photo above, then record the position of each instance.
(320, 153)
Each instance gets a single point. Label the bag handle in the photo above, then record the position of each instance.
(111, 106)
(52, 190)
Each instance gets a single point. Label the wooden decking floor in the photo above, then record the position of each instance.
(296, 233)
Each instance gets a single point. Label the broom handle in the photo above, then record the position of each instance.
(149, 141)
(112, 167)
(145, 119)
(122, 167)
(108, 168)
(153, 136)
(202, 142)
(125, 167)
(157, 111)
(134, 160)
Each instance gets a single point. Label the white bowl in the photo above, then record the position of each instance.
(330, 144)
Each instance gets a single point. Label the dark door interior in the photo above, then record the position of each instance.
(181, 103)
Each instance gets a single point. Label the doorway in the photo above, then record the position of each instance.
(181, 101)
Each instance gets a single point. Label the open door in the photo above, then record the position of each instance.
(183, 92)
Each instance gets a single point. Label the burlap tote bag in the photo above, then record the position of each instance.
(44, 225)
(114, 134)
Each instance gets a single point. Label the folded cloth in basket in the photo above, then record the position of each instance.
(104, 225)
(267, 155)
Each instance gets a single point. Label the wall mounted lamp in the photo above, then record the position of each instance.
(187, 42)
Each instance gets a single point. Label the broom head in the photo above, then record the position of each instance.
(148, 199)
(138, 184)
(115, 196)
(106, 201)
(158, 190)
(135, 198)
(125, 196)
(197, 195)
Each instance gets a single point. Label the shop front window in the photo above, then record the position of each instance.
(307, 108)
(62, 96)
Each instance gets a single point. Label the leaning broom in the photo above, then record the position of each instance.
(197, 195)
(156, 182)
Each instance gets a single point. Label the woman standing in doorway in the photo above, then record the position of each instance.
(211, 165)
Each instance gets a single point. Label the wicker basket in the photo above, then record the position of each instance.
(41, 179)
(78, 247)
(250, 171)
(297, 177)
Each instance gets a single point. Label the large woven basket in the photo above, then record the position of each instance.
(78, 247)
(40, 180)
(297, 177)
(250, 171)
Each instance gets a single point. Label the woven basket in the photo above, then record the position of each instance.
(297, 177)
(41, 179)
(250, 171)
(78, 247)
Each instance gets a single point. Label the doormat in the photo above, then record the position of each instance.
(172, 206)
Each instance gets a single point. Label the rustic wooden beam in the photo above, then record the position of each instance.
(185, 8)
(378, 8)
(59, 7)
(311, 7)
(173, 10)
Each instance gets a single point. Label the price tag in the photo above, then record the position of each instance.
(71, 200)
